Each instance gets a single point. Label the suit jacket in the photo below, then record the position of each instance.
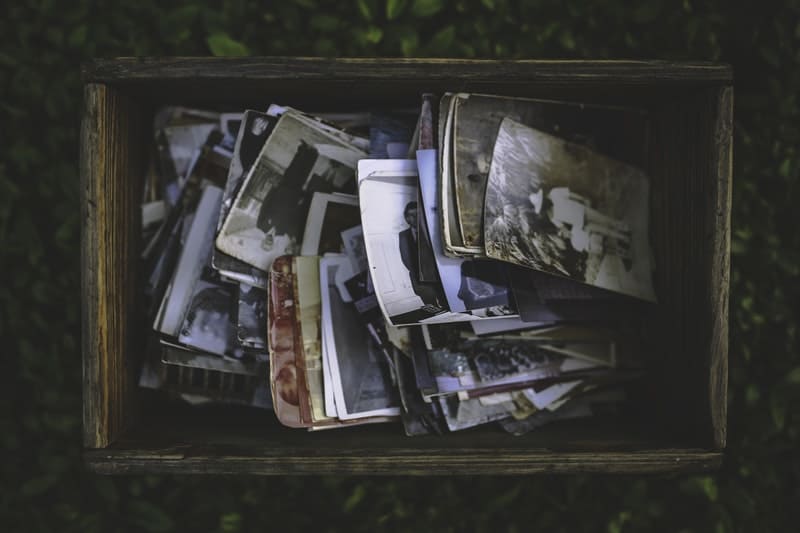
(408, 253)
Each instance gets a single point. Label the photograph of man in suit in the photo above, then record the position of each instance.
(409, 253)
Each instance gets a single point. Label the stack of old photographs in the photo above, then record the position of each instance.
(225, 195)
(478, 259)
(209, 343)
(512, 247)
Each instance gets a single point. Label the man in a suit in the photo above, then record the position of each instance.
(409, 254)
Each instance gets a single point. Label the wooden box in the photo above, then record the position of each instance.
(678, 421)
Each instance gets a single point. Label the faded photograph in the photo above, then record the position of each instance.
(563, 209)
(269, 214)
(251, 138)
(251, 330)
(478, 118)
(210, 321)
(362, 379)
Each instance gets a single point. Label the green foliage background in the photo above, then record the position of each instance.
(44, 486)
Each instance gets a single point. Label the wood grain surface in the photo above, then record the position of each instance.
(123, 70)
(719, 215)
(110, 155)
(400, 461)
(679, 418)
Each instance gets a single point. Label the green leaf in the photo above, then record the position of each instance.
(355, 498)
(709, 487)
(222, 45)
(409, 44)
(777, 407)
(443, 39)
(373, 35)
(793, 377)
(786, 168)
(394, 8)
(230, 522)
(426, 8)
(364, 9)
(324, 22)
(149, 517)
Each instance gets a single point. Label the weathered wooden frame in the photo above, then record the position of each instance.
(683, 423)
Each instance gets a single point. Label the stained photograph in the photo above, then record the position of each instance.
(564, 209)
(269, 214)
(252, 133)
(477, 119)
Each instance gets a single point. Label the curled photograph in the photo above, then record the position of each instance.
(564, 209)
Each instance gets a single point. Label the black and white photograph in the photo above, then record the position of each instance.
(255, 129)
(475, 286)
(350, 128)
(389, 210)
(194, 257)
(184, 143)
(229, 124)
(175, 354)
(451, 370)
(496, 360)
(210, 321)
(354, 248)
(464, 414)
(426, 258)
(360, 373)
(476, 121)
(564, 209)
(328, 216)
(268, 217)
(251, 329)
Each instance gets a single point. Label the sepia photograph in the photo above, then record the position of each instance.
(268, 216)
(361, 377)
(289, 389)
(452, 237)
(328, 216)
(477, 118)
(564, 209)
(308, 309)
